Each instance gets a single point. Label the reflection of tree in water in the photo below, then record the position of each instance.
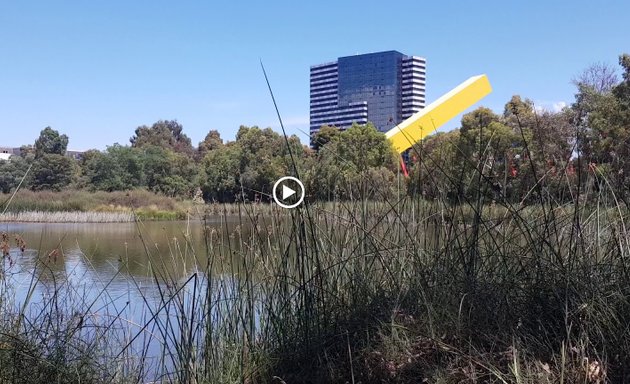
(174, 249)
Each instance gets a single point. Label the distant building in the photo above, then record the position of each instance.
(384, 88)
(77, 155)
(10, 151)
(5, 156)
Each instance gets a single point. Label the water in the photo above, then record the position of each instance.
(104, 247)
(109, 269)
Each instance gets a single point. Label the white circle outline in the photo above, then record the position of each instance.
(275, 186)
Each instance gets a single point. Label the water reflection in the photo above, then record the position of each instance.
(109, 271)
(133, 249)
(115, 265)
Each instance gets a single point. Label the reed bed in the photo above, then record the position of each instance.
(67, 217)
(145, 204)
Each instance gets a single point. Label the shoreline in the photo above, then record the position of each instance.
(67, 217)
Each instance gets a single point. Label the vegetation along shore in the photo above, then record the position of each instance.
(502, 258)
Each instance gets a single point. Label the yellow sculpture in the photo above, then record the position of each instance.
(436, 114)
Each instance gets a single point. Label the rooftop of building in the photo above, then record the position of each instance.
(373, 54)
(415, 57)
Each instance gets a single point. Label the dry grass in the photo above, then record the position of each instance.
(33, 206)
(68, 217)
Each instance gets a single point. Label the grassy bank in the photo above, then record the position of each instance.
(370, 293)
(48, 206)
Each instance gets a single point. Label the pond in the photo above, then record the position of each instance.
(119, 270)
(113, 252)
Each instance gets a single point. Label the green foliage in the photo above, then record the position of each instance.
(146, 204)
(211, 142)
(264, 159)
(248, 167)
(168, 172)
(118, 168)
(101, 172)
(53, 171)
(516, 156)
(622, 90)
(487, 148)
(604, 117)
(324, 135)
(130, 164)
(435, 172)
(122, 168)
(165, 134)
(365, 147)
(11, 172)
(486, 137)
(220, 176)
(50, 142)
(27, 152)
(356, 163)
(599, 136)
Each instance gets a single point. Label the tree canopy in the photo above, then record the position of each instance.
(515, 155)
(50, 142)
(164, 134)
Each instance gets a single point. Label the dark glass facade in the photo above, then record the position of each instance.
(384, 88)
(374, 78)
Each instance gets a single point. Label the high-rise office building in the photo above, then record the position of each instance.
(384, 88)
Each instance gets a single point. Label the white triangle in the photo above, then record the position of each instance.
(287, 192)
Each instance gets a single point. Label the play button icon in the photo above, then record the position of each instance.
(287, 192)
(290, 197)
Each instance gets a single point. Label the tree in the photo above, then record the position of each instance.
(50, 142)
(599, 77)
(323, 136)
(486, 149)
(248, 167)
(435, 171)
(101, 172)
(27, 152)
(364, 146)
(541, 153)
(221, 173)
(51, 168)
(621, 119)
(603, 114)
(12, 172)
(264, 158)
(53, 171)
(358, 163)
(164, 133)
(211, 142)
(169, 172)
(622, 90)
(130, 163)
(118, 168)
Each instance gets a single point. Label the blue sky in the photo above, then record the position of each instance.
(95, 70)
